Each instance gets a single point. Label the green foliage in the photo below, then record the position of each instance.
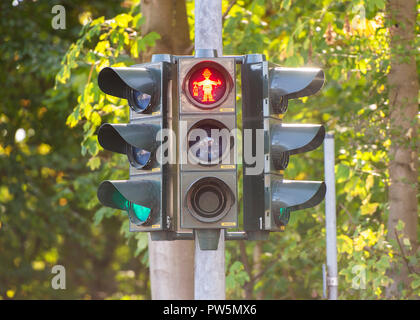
(47, 191)
(349, 40)
(102, 43)
(114, 42)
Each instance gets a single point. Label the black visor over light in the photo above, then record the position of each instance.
(296, 195)
(292, 83)
(136, 84)
(138, 141)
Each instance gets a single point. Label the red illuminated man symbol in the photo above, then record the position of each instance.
(207, 85)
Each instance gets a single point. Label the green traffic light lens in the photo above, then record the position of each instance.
(119, 200)
(138, 214)
(142, 213)
(282, 218)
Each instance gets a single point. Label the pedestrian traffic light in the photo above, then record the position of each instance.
(208, 178)
(268, 143)
(192, 174)
(150, 195)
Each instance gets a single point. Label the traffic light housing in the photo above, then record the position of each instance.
(268, 198)
(181, 146)
(207, 122)
(150, 195)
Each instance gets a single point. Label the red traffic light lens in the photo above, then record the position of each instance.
(207, 85)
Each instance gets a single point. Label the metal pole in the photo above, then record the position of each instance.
(330, 217)
(209, 266)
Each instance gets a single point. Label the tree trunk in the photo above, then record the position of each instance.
(168, 18)
(403, 95)
(171, 262)
(258, 266)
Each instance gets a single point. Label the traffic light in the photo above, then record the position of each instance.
(182, 150)
(150, 195)
(268, 143)
(207, 130)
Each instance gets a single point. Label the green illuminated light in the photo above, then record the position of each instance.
(142, 213)
(284, 215)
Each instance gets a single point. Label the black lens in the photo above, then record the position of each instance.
(142, 100)
(209, 199)
(139, 158)
(210, 148)
(139, 101)
(280, 160)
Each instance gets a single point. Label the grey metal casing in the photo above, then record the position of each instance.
(264, 101)
(156, 79)
(230, 220)
(223, 112)
(229, 158)
(164, 113)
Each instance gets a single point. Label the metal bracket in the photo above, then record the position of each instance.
(238, 59)
(332, 281)
(238, 235)
(233, 235)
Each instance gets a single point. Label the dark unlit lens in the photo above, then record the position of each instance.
(141, 156)
(142, 100)
(210, 148)
(208, 200)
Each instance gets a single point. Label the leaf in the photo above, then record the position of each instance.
(91, 145)
(150, 38)
(5, 195)
(342, 172)
(400, 225)
(95, 118)
(142, 243)
(380, 4)
(102, 47)
(71, 120)
(363, 66)
(344, 244)
(100, 214)
(406, 242)
(94, 163)
(138, 20)
(98, 21)
(369, 208)
(44, 149)
(415, 284)
(369, 182)
(285, 4)
(236, 266)
(290, 47)
(134, 50)
(123, 20)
